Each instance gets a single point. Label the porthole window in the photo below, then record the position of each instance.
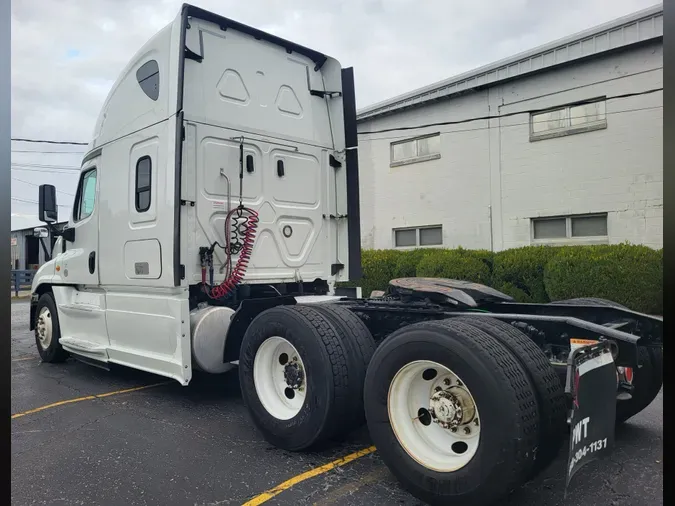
(148, 79)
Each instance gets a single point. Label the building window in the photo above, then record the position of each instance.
(85, 198)
(143, 183)
(420, 236)
(416, 150)
(148, 79)
(570, 228)
(568, 120)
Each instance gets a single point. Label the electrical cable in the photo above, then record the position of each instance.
(510, 125)
(34, 184)
(47, 171)
(44, 141)
(241, 224)
(40, 152)
(441, 123)
(46, 166)
(506, 115)
(34, 202)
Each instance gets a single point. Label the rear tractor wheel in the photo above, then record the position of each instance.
(452, 413)
(299, 378)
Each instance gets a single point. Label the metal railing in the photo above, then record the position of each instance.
(21, 280)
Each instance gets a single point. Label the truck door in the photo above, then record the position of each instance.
(81, 303)
(79, 263)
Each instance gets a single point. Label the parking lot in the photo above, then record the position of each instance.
(83, 435)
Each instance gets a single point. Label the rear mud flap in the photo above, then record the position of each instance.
(592, 386)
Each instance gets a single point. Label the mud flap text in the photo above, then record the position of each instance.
(592, 382)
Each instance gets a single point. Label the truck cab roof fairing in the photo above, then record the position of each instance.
(115, 122)
(192, 11)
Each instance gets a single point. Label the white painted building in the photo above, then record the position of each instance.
(572, 151)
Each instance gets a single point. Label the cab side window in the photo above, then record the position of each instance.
(86, 196)
(143, 183)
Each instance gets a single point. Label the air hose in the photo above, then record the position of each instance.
(240, 241)
(241, 224)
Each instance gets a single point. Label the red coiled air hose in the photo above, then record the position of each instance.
(245, 232)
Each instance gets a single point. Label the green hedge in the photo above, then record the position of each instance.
(519, 272)
(456, 264)
(628, 274)
(379, 267)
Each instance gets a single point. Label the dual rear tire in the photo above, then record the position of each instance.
(515, 402)
(461, 411)
(301, 370)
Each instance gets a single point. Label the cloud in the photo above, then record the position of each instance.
(66, 54)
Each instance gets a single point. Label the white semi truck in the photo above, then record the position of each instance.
(217, 208)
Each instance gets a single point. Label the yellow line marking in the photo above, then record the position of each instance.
(269, 494)
(87, 398)
(352, 487)
(23, 358)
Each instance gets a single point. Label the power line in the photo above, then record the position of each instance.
(46, 166)
(527, 123)
(505, 115)
(43, 141)
(34, 202)
(48, 171)
(40, 152)
(416, 127)
(34, 184)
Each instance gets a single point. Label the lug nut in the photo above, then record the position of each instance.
(446, 381)
(467, 430)
(476, 421)
(453, 429)
(437, 389)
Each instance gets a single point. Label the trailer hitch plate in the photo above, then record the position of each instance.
(591, 387)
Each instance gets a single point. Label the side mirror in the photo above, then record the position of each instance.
(68, 234)
(47, 210)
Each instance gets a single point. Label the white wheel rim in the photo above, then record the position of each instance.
(44, 328)
(280, 378)
(423, 415)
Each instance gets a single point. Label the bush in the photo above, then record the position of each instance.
(627, 274)
(406, 265)
(379, 267)
(455, 264)
(519, 272)
(630, 275)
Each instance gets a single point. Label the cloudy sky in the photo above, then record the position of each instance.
(66, 54)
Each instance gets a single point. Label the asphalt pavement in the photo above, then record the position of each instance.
(171, 445)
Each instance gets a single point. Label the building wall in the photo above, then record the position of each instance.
(491, 180)
(450, 191)
(18, 250)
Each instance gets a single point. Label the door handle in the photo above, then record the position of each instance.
(92, 262)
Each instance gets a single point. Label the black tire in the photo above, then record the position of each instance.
(647, 378)
(53, 353)
(359, 345)
(647, 381)
(505, 402)
(327, 367)
(547, 387)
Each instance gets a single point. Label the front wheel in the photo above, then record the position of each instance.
(452, 413)
(47, 331)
